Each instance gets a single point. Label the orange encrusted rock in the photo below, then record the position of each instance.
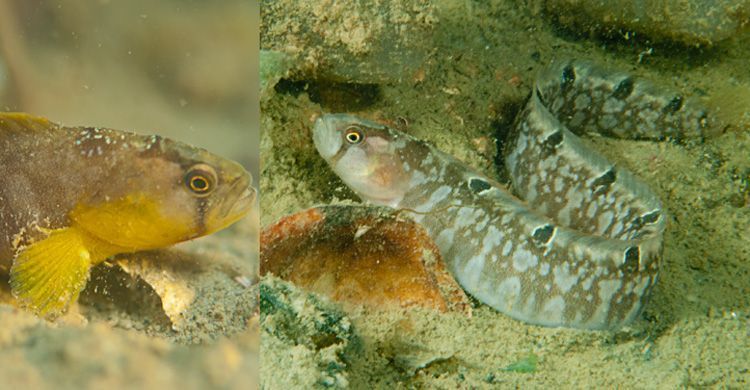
(360, 255)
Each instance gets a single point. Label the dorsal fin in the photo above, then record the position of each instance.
(22, 122)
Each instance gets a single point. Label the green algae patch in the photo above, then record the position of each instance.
(305, 340)
(526, 365)
(273, 66)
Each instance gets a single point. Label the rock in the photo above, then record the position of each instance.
(361, 255)
(693, 23)
(273, 66)
(305, 341)
(353, 41)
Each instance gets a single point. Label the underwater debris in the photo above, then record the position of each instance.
(360, 255)
(176, 296)
(301, 330)
(411, 357)
(173, 292)
(525, 365)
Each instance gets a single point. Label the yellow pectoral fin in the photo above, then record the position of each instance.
(49, 274)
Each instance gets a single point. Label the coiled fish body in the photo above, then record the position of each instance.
(581, 244)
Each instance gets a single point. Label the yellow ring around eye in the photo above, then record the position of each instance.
(201, 179)
(199, 184)
(354, 135)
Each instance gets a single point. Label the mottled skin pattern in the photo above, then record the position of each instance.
(582, 249)
(48, 170)
(589, 99)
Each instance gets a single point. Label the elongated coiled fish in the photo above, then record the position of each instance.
(581, 247)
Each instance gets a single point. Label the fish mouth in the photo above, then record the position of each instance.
(240, 199)
(244, 195)
(243, 204)
(326, 137)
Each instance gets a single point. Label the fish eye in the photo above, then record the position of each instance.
(354, 135)
(201, 179)
(199, 184)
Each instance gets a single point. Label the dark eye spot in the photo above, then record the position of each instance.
(543, 234)
(478, 185)
(354, 135)
(201, 179)
(550, 144)
(631, 259)
(674, 105)
(568, 77)
(650, 217)
(645, 219)
(199, 184)
(603, 182)
(623, 89)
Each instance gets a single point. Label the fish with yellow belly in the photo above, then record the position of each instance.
(73, 196)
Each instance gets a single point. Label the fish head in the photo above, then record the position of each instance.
(372, 159)
(219, 189)
(164, 192)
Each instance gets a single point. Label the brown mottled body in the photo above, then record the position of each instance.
(73, 196)
(48, 169)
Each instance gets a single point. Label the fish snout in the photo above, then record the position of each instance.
(326, 137)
